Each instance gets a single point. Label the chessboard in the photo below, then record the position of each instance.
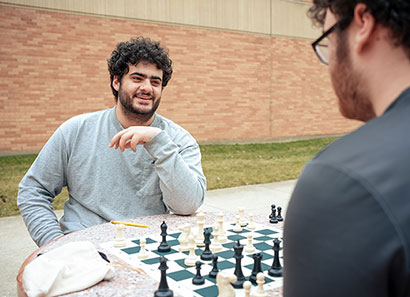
(179, 276)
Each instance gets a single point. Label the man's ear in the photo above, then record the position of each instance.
(365, 25)
(116, 83)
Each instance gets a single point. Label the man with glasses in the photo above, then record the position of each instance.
(347, 228)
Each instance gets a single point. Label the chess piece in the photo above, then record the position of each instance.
(191, 259)
(249, 247)
(257, 267)
(272, 207)
(238, 248)
(216, 246)
(207, 254)
(279, 216)
(164, 247)
(223, 281)
(273, 219)
(247, 288)
(237, 227)
(260, 291)
(251, 225)
(242, 219)
(198, 278)
(184, 242)
(199, 239)
(143, 254)
(163, 289)
(119, 238)
(276, 268)
(222, 236)
(214, 272)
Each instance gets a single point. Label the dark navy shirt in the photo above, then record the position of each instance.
(347, 228)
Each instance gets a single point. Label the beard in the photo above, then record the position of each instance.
(135, 113)
(349, 85)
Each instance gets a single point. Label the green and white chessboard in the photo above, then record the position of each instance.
(179, 276)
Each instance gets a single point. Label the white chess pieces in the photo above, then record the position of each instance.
(119, 238)
(223, 281)
(247, 285)
(215, 246)
(251, 225)
(249, 248)
(183, 238)
(237, 227)
(242, 219)
(221, 236)
(260, 291)
(191, 259)
(199, 239)
(143, 254)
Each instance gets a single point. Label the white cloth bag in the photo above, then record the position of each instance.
(69, 268)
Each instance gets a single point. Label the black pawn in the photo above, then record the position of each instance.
(257, 267)
(164, 246)
(238, 267)
(273, 219)
(198, 278)
(276, 268)
(163, 289)
(272, 207)
(279, 216)
(215, 269)
(207, 254)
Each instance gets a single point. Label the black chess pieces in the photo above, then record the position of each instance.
(273, 219)
(163, 289)
(276, 268)
(238, 267)
(198, 279)
(279, 216)
(215, 269)
(164, 246)
(257, 267)
(207, 254)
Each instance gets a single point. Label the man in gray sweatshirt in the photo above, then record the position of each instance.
(118, 163)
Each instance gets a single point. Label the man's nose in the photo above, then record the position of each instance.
(146, 86)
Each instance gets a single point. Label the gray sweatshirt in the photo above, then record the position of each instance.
(164, 175)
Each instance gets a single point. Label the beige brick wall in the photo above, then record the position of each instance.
(226, 85)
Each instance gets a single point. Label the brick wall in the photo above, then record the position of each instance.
(226, 85)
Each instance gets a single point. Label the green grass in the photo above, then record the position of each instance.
(224, 166)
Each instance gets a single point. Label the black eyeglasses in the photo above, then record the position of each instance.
(320, 46)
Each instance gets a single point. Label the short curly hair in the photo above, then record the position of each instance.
(393, 14)
(137, 50)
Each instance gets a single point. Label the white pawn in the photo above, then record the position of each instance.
(251, 225)
(215, 246)
(237, 227)
(223, 281)
(119, 238)
(191, 259)
(199, 239)
(143, 254)
(242, 219)
(249, 248)
(247, 285)
(222, 236)
(183, 239)
(260, 291)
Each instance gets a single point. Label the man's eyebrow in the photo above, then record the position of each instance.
(145, 76)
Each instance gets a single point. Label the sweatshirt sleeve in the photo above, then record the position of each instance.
(338, 240)
(182, 181)
(38, 188)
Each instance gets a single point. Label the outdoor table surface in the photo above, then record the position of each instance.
(128, 282)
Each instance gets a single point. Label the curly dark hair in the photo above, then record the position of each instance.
(134, 51)
(393, 14)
